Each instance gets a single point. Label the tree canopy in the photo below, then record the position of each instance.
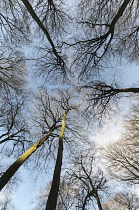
(58, 61)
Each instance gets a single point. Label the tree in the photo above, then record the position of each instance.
(13, 98)
(122, 155)
(13, 71)
(101, 97)
(6, 203)
(51, 126)
(48, 118)
(65, 102)
(14, 130)
(18, 18)
(14, 167)
(38, 21)
(107, 29)
(122, 200)
(50, 13)
(13, 126)
(88, 179)
(67, 196)
(53, 195)
(82, 187)
(14, 22)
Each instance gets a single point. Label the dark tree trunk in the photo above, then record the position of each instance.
(52, 198)
(98, 201)
(53, 195)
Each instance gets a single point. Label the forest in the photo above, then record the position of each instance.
(63, 81)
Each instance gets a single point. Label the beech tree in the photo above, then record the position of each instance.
(48, 117)
(13, 126)
(122, 155)
(12, 69)
(51, 125)
(66, 197)
(53, 195)
(100, 24)
(122, 200)
(13, 98)
(108, 29)
(101, 97)
(83, 45)
(14, 22)
(72, 134)
(89, 180)
(82, 187)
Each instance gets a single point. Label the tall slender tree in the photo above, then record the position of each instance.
(53, 195)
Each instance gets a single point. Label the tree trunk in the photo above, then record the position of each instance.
(15, 166)
(85, 201)
(98, 201)
(38, 21)
(53, 195)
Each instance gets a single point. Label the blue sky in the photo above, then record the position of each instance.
(28, 189)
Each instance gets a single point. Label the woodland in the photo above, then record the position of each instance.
(61, 83)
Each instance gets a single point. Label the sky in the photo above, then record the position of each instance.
(27, 190)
